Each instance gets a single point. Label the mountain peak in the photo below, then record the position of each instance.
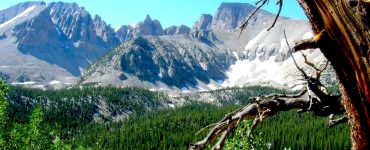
(97, 18)
(71, 5)
(11, 12)
(147, 18)
(148, 27)
(235, 4)
(31, 3)
(177, 30)
(203, 23)
(230, 15)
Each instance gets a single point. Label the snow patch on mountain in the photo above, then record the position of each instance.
(246, 71)
(254, 41)
(213, 86)
(283, 46)
(236, 55)
(21, 17)
(24, 83)
(54, 82)
(58, 30)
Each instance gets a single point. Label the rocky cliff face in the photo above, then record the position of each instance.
(203, 23)
(92, 35)
(105, 32)
(258, 43)
(11, 12)
(148, 27)
(51, 42)
(229, 16)
(144, 28)
(171, 30)
(165, 61)
(50, 45)
(124, 33)
(177, 30)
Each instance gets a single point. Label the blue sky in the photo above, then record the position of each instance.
(168, 12)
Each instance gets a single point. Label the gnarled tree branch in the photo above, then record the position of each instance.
(265, 106)
(311, 98)
(311, 43)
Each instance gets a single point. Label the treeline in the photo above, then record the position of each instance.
(67, 109)
(163, 129)
(177, 128)
(72, 115)
(303, 131)
(241, 95)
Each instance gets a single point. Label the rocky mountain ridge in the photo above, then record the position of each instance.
(206, 56)
(50, 43)
(258, 57)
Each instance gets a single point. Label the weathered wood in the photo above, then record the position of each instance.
(311, 43)
(346, 46)
(269, 105)
(321, 104)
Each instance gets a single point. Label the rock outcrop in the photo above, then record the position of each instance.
(203, 23)
(148, 27)
(177, 30)
(51, 42)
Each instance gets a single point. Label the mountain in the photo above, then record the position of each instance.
(60, 44)
(165, 61)
(50, 44)
(230, 15)
(203, 23)
(124, 33)
(177, 30)
(143, 28)
(90, 34)
(209, 56)
(148, 27)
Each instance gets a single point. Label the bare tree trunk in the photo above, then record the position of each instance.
(345, 43)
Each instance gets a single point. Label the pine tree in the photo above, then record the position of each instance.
(3, 113)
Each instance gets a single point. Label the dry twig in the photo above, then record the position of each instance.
(259, 4)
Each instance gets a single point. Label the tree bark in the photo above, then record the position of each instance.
(345, 43)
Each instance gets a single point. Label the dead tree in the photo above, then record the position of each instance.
(342, 35)
(310, 99)
(341, 29)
